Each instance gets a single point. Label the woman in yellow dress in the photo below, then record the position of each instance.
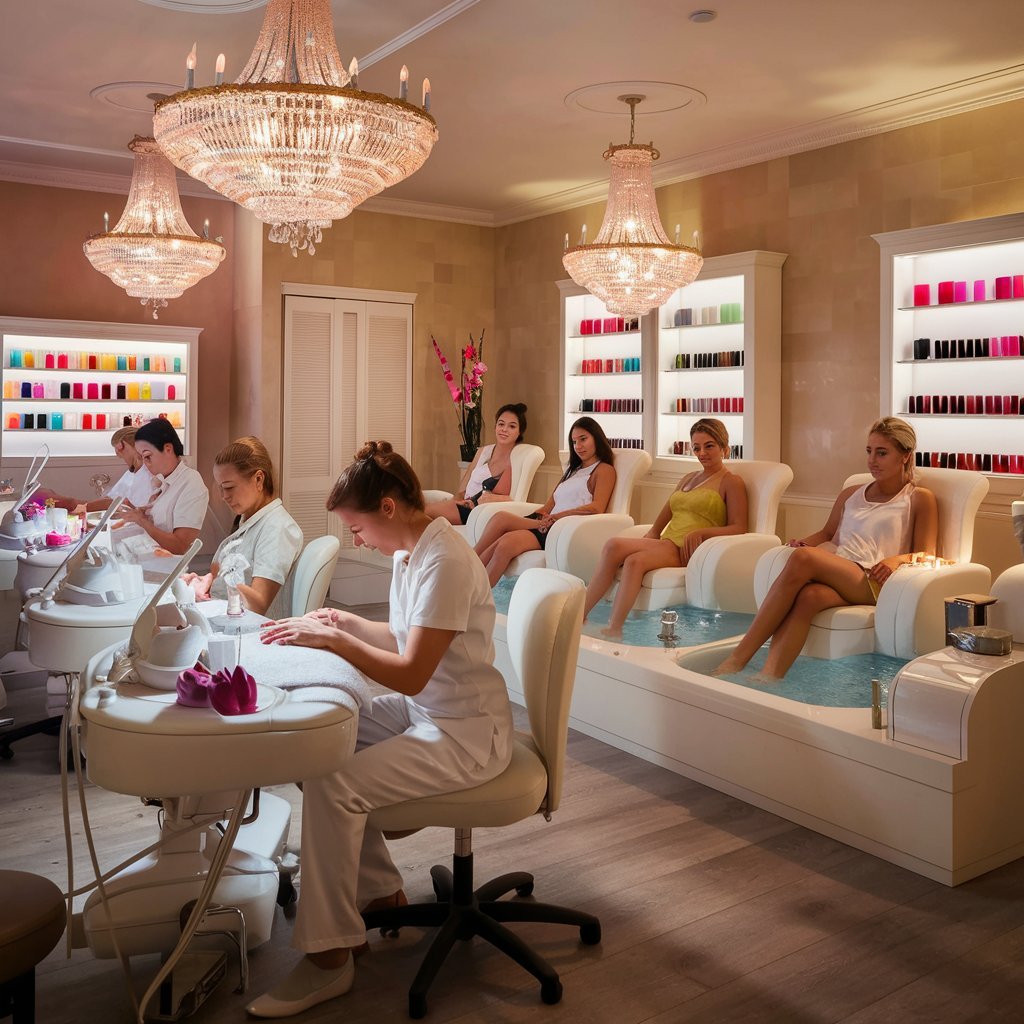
(711, 502)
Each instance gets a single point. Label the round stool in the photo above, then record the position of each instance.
(31, 923)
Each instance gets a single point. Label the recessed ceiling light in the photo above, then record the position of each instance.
(700, 17)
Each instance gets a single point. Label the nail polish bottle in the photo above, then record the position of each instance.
(922, 294)
(1004, 288)
(945, 292)
(961, 348)
(77, 389)
(959, 291)
(986, 463)
(979, 291)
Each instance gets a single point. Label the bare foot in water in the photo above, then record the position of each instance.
(729, 667)
(610, 634)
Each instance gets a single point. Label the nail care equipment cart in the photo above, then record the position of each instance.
(216, 867)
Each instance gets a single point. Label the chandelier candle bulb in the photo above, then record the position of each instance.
(565, 247)
(106, 221)
(190, 68)
(403, 85)
(218, 78)
(426, 94)
(353, 73)
(206, 228)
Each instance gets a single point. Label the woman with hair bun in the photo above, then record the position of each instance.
(265, 535)
(445, 726)
(711, 502)
(873, 529)
(489, 476)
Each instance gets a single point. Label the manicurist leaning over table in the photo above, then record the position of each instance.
(446, 726)
(175, 516)
(266, 535)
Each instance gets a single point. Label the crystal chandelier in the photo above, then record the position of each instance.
(294, 140)
(631, 265)
(152, 253)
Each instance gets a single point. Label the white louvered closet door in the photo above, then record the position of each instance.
(347, 368)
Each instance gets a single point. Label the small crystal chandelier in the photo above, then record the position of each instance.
(152, 253)
(295, 140)
(631, 265)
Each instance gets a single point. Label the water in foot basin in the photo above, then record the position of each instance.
(694, 626)
(841, 683)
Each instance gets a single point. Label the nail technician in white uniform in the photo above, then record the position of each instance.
(266, 536)
(174, 518)
(447, 726)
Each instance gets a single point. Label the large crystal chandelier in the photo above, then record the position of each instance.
(631, 265)
(294, 140)
(152, 253)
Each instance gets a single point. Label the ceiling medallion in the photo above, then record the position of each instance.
(631, 265)
(295, 140)
(152, 253)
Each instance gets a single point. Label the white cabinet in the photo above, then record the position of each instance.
(719, 354)
(70, 384)
(603, 364)
(952, 362)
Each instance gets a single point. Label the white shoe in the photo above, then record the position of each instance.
(306, 986)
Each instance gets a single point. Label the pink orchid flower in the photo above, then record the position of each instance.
(194, 686)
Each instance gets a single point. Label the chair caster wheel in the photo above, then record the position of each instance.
(417, 1006)
(551, 992)
(525, 890)
(590, 934)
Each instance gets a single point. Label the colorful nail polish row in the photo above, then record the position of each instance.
(626, 442)
(611, 405)
(609, 325)
(708, 405)
(610, 365)
(707, 360)
(1002, 346)
(966, 405)
(131, 391)
(706, 316)
(978, 462)
(81, 421)
(685, 448)
(1006, 287)
(113, 362)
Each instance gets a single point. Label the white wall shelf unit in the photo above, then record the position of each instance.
(718, 353)
(70, 384)
(603, 369)
(952, 352)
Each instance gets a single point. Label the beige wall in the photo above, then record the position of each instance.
(450, 267)
(45, 274)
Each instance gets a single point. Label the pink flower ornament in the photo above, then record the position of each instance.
(233, 693)
(194, 687)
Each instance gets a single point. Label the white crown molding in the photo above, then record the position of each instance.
(90, 181)
(435, 20)
(1001, 86)
(428, 211)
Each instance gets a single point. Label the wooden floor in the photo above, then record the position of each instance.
(712, 910)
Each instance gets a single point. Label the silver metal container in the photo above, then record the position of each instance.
(981, 640)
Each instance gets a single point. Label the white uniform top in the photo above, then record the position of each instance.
(574, 492)
(475, 483)
(183, 500)
(442, 584)
(137, 487)
(270, 541)
(871, 531)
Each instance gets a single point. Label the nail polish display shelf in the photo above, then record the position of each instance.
(698, 415)
(613, 373)
(988, 249)
(958, 359)
(701, 327)
(701, 369)
(958, 305)
(598, 335)
(174, 350)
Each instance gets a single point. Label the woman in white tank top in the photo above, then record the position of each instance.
(585, 489)
(872, 531)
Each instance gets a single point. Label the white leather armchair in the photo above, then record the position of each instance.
(572, 540)
(720, 575)
(909, 619)
(526, 460)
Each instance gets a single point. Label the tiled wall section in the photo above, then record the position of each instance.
(820, 207)
(450, 267)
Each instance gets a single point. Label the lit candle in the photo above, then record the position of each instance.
(565, 248)
(677, 234)
(106, 221)
(583, 235)
(218, 78)
(353, 73)
(403, 84)
(206, 228)
(190, 68)
(426, 94)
